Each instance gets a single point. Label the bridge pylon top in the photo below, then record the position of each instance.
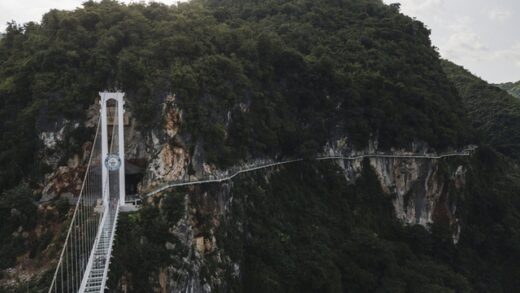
(118, 96)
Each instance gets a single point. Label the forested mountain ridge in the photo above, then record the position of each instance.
(219, 83)
(511, 87)
(300, 68)
(492, 111)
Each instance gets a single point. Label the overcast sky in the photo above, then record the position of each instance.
(481, 35)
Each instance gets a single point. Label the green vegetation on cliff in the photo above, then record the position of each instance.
(302, 228)
(254, 78)
(307, 230)
(16, 210)
(272, 78)
(493, 112)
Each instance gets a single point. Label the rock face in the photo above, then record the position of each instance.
(67, 180)
(422, 192)
(170, 164)
(170, 159)
(51, 139)
(205, 208)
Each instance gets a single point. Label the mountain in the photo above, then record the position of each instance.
(493, 112)
(283, 62)
(511, 87)
(216, 85)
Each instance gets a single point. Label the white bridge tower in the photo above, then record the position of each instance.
(113, 161)
(85, 258)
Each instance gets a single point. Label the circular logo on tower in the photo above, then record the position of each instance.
(113, 162)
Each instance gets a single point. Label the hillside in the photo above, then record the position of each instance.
(512, 88)
(492, 111)
(213, 84)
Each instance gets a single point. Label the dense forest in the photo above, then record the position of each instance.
(307, 230)
(308, 72)
(301, 67)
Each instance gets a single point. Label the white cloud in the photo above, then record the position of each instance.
(419, 8)
(466, 46)
(511, 55)
(23, 11)
(482, 36)
(500, 15)
(462, 42)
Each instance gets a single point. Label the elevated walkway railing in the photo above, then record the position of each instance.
(234, 171)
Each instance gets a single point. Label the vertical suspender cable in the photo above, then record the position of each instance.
(66, 260)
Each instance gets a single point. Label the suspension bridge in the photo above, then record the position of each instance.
(85, 258)
(84, 261)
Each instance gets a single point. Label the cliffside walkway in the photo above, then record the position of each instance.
(233, 172)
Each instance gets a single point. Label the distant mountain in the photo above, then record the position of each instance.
(511, 87)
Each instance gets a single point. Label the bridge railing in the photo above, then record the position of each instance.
(248, 167)
(83, 228)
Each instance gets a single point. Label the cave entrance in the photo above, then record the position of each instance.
(133, 175)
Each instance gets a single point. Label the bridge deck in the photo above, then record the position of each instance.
(100, 258)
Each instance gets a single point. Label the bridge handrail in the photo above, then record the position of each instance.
(103, 216)
(60, 261)
(213, 179)
(110, 247)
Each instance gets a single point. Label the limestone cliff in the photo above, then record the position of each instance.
(423, 192)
